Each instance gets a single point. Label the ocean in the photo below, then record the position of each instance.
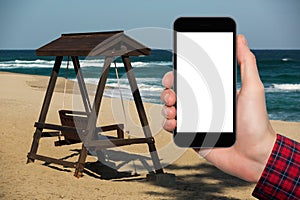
(279, 71)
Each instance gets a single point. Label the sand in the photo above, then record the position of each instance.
(21, 100)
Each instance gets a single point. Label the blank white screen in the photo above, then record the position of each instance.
(219, 48)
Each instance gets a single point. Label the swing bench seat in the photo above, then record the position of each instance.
(73, 119)
(78, 120)
(73, 124)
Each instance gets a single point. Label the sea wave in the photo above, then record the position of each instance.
(29, 64)
(286, 59)
(83, 63)
(287, 86)
(149, 92)
(100, 63)
(33, 61)
(149, 79)
(144, 84)
(283, 88)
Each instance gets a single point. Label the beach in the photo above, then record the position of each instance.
(21, 100)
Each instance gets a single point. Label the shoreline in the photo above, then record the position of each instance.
(21, 100)
(42, 86)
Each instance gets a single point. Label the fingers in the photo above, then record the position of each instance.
(168, 112)
(169, 124)
(168, 79)
(247, 63)
(168, 97)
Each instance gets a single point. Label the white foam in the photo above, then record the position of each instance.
(287, 86)
(112, 83)
(100, 62)
(153, 88)
(283, 88)
(29, 64)
(83, 63)
(286, 59)
(149, 80)
(34, 61)
(21, 65)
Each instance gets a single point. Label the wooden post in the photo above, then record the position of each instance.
(141, 112)
(81, 162)
(87, 106)
(82, 86)
(92, 120)
(44, 110)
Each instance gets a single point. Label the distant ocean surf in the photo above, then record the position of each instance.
(279, 71)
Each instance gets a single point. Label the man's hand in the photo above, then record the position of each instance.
(247, 158)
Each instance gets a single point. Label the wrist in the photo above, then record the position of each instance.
(265, 152)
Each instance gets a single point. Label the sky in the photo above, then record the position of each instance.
(29, 24)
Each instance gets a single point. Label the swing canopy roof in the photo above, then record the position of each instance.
(112, 43)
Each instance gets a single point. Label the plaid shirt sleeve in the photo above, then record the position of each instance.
(281, 176)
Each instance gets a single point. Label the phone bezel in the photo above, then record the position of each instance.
(205, 24)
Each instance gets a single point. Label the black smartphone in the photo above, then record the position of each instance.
(204, 59)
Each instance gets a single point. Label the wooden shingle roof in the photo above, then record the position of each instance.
(112, 43)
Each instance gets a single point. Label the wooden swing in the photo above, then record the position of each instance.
(75, 123)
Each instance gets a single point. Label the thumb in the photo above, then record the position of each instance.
(247, 62)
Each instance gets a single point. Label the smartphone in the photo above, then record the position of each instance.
(204, 58)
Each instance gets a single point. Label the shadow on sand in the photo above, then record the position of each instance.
(187, 186)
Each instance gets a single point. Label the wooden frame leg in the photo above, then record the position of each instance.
(44, 110)
(81, 162)
(92, 120)
(81, 84)
(142, 114)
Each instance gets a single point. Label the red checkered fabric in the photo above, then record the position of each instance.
(281, 176)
